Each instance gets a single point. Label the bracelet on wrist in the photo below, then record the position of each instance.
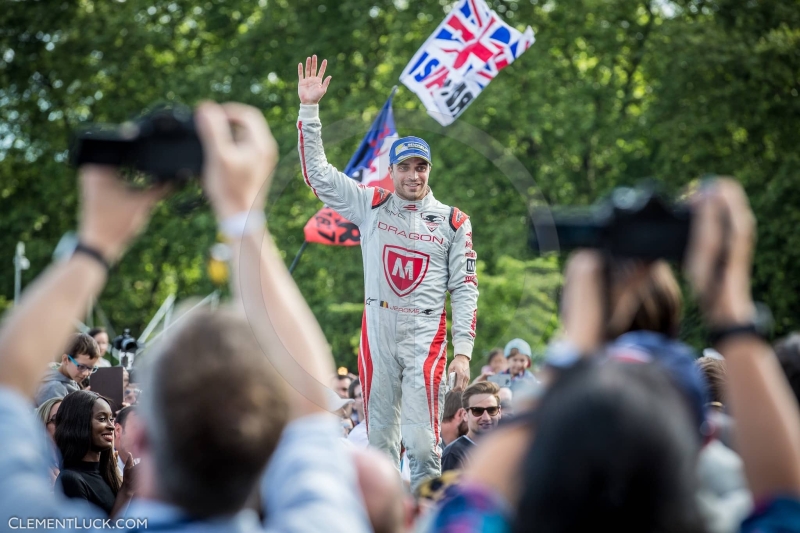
(94, 253)
(236, 226)
(759, 326)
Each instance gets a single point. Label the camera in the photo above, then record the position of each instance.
(163, 144)
(127, 347)
(637, 223)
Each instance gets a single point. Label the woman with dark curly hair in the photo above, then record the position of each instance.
(85, 437)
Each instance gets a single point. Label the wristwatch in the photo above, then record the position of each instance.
(760, 326)
(70, 245)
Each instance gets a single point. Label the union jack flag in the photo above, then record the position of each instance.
(468, 49)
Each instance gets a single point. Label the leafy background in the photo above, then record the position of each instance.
(612, 91)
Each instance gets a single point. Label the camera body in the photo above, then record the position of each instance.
(636, 223)
(163, 144)
(127, 346)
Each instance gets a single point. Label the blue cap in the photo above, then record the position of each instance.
(407, 147)
(520, 345)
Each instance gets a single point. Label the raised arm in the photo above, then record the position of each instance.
(310, 483)
(111, 215)
(336, 189)
(237, 179)
(766, 412)
(463, 287)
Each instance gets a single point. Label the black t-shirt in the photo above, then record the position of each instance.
(456, 453)
(83, 481)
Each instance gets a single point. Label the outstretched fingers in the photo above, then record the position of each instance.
(322, 67)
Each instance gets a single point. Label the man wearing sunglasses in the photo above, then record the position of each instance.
(482, 403)
(77, 363)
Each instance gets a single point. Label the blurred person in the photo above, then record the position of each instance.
(47, 415)
(85, 437)
(389, 507)
(130, 394)
(506, 401)
(122, 445)
(79, 361)
(411, 262)
(358, 436)
(714, 372)
(340, 383)
(202, 447)
(354, 392)
(518, 354)
(454, 418)
(646, 412)
(100, 336)
(482, 404)
(495, 362)
(788, 351)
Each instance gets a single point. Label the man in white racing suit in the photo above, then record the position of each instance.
(415, 249)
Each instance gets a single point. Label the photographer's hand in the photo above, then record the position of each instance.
(237, 172)
(766, 411)
(236, 177)
(111, 215)
(311, 87)
(722, 284)
(583, 302)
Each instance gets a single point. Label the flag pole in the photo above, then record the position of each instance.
(297, 257)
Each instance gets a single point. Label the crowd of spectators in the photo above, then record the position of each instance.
(238, 422)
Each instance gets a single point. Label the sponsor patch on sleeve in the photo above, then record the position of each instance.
(379, 197)
(457, 218)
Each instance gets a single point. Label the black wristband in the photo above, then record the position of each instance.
(93, 253)
(716, 336)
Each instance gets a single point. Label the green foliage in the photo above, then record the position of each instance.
(610, 93)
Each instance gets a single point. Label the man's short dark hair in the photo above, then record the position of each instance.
(452, 403)
(214, 410)
(122, 416)
(788, 351)
(83, 344)
(351, 390)
(481, 387)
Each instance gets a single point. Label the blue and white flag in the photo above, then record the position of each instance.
(468, 49)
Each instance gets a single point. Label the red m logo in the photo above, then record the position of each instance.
(404, 269)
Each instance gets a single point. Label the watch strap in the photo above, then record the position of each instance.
(95, 254)
(716, 336)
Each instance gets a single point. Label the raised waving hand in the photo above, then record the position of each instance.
(311, 86)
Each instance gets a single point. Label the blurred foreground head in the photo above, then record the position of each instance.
(615, 448)
(655, 304)
(213, 413)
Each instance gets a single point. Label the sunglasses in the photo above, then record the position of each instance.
(478, 411)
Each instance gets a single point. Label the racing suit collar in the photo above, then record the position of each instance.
(417, 205)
